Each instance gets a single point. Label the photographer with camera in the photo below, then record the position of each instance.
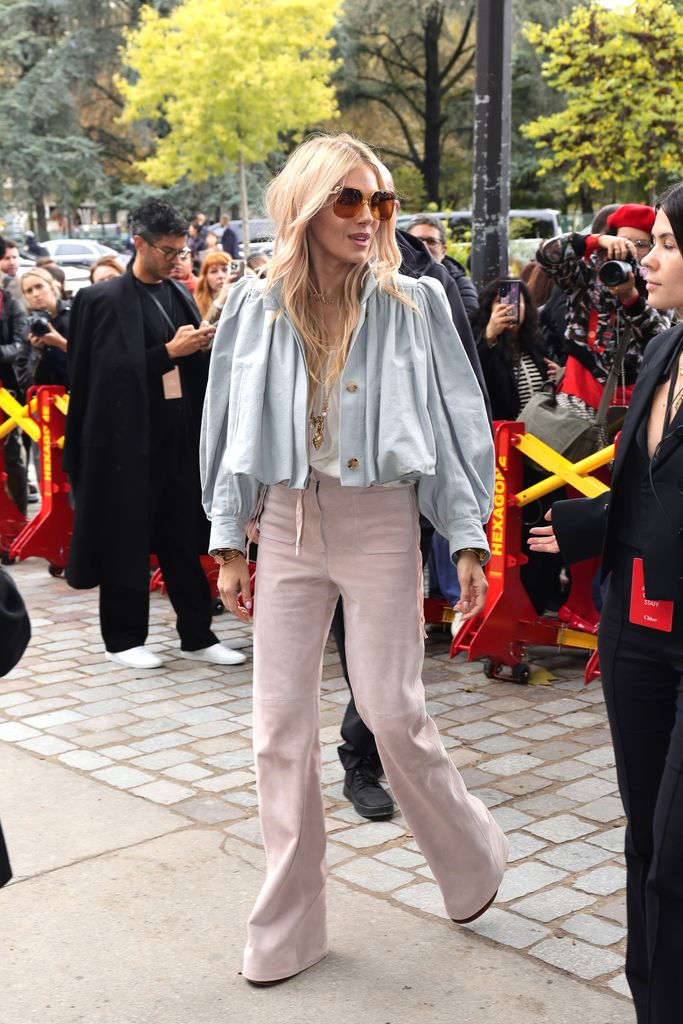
(602, 303)
(608, 326)
(48, 327)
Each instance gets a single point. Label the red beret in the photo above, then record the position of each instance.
(633, 215)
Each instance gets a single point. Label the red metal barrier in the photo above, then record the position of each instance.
(12, 522)
(509, 623)
(49, 534)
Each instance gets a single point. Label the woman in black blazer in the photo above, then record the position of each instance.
(638, 526)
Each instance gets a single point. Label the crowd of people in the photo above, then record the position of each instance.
(332, 397)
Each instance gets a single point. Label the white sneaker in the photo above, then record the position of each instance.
(217, 654)
(135, 657)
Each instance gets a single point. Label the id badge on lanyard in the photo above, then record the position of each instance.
(653, 614)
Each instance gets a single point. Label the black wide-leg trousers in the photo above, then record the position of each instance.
(642, 677)
(124, 611)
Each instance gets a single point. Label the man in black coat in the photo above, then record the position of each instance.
(432, 231)
(138, 365)
(358, 753)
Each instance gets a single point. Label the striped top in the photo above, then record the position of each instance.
(528, 379)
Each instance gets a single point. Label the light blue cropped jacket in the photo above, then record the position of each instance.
(411, 410)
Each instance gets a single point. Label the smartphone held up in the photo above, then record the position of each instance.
(508, 295)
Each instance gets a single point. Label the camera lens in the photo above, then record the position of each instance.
(614, 272)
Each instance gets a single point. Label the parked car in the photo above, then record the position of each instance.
(76, 251)
(76, 277)
(534, 223)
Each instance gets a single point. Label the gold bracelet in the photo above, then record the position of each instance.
(479, 552)
(225, 555)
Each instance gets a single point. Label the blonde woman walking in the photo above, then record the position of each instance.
(340, 401)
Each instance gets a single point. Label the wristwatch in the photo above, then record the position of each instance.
(222, 556)
(479, 552)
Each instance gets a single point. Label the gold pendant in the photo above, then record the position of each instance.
(318, 423)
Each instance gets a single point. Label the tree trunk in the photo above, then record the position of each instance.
(41, 220)
(244, 208)
(431, 167)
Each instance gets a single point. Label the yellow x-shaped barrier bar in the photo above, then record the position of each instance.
(576, 474)
(19, 416)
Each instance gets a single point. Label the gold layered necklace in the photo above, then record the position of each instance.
(321, 297)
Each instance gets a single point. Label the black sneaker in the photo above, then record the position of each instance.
(362, 788)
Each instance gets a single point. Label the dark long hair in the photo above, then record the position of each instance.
(671, 201)
(529, 334)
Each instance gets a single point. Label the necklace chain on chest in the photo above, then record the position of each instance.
(318, 422)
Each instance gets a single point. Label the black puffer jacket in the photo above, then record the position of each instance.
(468, 293)
(15, 350)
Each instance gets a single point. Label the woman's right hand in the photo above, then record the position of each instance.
(499, 321)
(233, 579)
(544, 538)
(616, 247)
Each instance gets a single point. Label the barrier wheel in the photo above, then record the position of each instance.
(521, 673)
(5, 558)
(217, 607)
(490, 669)
(55, 570)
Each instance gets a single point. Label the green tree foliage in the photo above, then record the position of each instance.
(532, 98)
(57, 102)
(220, 81)
(407, 73)
(619, 74)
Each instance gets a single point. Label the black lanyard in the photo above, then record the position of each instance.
(172, 327)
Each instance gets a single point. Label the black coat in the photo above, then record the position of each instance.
(584, 526)
(15, 633)
(499, 375)
(465, 285)
(108, 437)
(417, 261)
(15, 348)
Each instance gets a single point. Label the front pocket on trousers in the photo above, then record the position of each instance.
(385, 520)
(278, 519)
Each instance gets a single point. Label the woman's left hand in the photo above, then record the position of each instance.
(555, 371)
(473, 585)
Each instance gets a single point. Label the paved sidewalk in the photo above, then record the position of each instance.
(149, 777)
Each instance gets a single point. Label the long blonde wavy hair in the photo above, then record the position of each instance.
(293, 198)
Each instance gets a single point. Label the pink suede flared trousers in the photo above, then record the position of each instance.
(362, 544)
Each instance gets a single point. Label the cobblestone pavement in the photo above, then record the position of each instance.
(539, 756)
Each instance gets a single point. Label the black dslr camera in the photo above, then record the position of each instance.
(39, 323)
(612, 273)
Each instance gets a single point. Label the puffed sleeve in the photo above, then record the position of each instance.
(458, 498)
(229, 499)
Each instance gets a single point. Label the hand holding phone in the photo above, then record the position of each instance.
(236, 269)
(508, 295)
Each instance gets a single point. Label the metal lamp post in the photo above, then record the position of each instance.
(492, 115)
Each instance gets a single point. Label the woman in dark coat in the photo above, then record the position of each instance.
(514, 368)
(15, 633)
(639, 527)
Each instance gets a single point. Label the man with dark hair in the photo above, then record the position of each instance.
(9, 267)
(138, 365)
(432, 232)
